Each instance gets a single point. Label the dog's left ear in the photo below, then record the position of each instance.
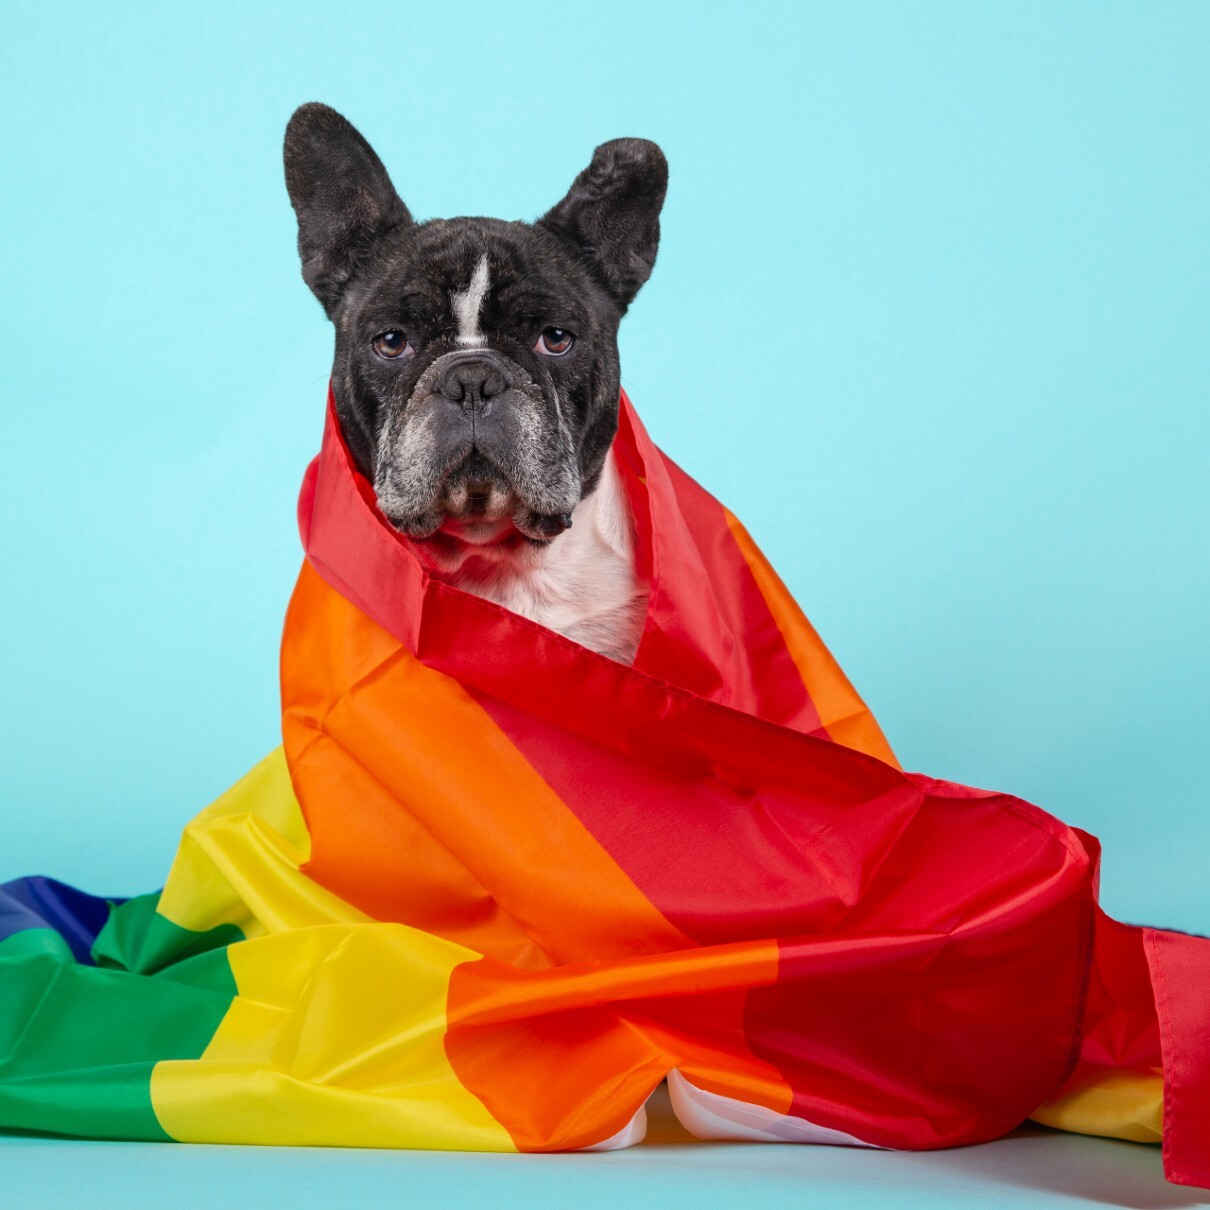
(611, 215)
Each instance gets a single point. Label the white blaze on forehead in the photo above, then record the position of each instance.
(466, 305)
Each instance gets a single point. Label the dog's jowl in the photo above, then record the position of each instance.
(476, 371)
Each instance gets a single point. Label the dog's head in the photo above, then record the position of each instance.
(476, 368)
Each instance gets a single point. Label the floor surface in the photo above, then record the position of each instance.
(1033, 1167)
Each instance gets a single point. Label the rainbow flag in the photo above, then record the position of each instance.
(495, 887)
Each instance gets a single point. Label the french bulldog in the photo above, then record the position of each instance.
(476, 372)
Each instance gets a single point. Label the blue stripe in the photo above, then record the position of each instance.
(38, 903)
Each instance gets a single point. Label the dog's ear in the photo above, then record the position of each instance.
(342, 196)
(611, 214)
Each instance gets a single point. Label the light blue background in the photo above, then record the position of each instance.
(931, 313)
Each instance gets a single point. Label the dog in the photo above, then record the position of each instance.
(476, 375)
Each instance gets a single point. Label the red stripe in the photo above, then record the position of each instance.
(723, 822)
(934, 944)
(952, 1003)
(1180, 974)
(709, 627)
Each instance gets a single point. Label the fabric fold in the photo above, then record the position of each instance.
(495, 887)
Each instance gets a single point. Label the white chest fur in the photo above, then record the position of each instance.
(583, 584)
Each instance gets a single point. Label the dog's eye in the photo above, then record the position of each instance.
(392, 344)
(554, 342)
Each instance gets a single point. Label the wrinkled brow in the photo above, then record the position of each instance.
(533, 303)
(429, 309)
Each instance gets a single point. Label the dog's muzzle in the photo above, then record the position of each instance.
(478, 439)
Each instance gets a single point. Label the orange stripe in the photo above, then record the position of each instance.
(453, 831)
(564, 1058)
(845, 717)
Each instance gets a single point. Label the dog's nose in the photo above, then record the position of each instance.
(471, 383)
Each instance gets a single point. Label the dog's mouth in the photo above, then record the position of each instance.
(476, 491)
(477, 503)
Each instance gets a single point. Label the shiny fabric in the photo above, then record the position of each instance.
(497, 887)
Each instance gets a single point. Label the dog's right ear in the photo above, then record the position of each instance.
(342, 196)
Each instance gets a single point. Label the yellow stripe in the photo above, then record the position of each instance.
(337, 1034)
(1119, 1104)
(238, 862)
(337, 1039)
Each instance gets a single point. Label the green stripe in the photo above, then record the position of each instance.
(78, 1043)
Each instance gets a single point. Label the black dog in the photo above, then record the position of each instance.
(476, 370)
